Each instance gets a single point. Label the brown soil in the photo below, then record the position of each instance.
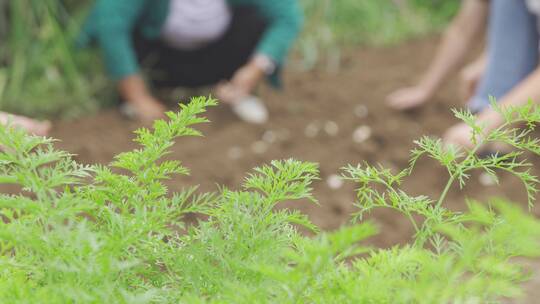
(366, 77)
(315, 97)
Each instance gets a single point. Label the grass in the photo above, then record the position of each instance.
(41, 74)
(333, 24)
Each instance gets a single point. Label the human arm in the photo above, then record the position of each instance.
(455, 44)
(244, 81)
(134, 91)
(528, 89)
(32, 126)
(114, 24)
(284, 19)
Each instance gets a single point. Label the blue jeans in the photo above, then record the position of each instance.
(512, 48)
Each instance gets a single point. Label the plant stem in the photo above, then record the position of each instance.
(413, 222)
(452, 178)
(446, 190)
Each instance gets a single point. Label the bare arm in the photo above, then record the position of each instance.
(457, 40)
(133, 90)
(528, 89)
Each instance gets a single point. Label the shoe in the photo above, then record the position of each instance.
(251, 109)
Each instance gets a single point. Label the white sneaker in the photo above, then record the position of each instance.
(251, 109)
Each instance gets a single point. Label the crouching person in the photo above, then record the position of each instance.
(234, 44)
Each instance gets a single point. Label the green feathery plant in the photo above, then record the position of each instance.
(516, 131)
(114, 234)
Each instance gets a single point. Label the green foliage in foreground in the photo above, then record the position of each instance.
(113, 234)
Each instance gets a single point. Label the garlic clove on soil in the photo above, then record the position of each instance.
(487, 180)
(251, 109)
(334, 182)
(361, 134)
(331, 128)
(361, 111)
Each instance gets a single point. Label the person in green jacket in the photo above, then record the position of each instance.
(234, 44)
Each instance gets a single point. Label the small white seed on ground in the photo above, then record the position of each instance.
(259, 147)
(312, 130)
(487, 180)
(361, 134)
(269, 137)
(334, 182)
(235, 153)
(361, 111)
(331, 128)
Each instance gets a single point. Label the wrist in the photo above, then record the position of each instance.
(263, 63)
(141, 99)
(429, 87)
(252, 75)
(133, 89)
(490, 119)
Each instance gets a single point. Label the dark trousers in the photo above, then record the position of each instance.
(171, 67)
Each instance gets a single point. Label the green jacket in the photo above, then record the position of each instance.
(111, 24)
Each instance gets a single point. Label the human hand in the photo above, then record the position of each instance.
(242, 84)
(147, 109)
(459, 135)
(140, 102)
(408, 98)
(32, 126)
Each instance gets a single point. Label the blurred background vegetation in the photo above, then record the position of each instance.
(42, 75)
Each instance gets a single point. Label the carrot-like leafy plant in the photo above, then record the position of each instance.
(114, 234)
